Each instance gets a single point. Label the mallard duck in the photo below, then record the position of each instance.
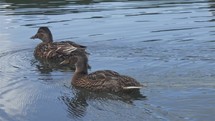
(57, 52)
(102, 80)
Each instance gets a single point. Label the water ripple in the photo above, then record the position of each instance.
(15, 61)
(167, 44)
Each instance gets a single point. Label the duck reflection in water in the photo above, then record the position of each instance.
(77, 104)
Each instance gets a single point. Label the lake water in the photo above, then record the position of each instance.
(169, 45)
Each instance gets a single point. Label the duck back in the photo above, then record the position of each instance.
(57, 52)
(108, 81)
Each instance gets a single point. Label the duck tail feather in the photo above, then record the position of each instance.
(132, 87)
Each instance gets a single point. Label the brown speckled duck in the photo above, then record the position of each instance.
(58, 52)
(103, 80)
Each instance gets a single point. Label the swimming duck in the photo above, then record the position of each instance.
(102, 80)
(58, 52)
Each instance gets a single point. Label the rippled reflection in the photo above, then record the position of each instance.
(57, 7)
(77, 105)
(44, 66)
(168, 44)
(38, 7)
(49, 7)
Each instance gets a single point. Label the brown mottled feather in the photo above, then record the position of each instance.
(103, 80)
(59, 52)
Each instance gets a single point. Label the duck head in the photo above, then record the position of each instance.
(43, 34)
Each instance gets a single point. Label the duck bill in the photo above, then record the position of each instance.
(34, 37)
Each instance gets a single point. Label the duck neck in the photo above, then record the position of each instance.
(81, 68)
(47, 38)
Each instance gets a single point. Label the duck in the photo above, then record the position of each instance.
(101, 80)
(55, 52)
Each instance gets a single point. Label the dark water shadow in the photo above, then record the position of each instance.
(56, 3)
(211, 8)
(77, 104)
(45, 3)
(59, 7)
(45, 66)
(44, 7)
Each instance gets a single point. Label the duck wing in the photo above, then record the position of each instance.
(112, 81)
(105, 73)
(63, 48)
(104, 80)
(59, 52)
(73, 44)
(129, 83)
